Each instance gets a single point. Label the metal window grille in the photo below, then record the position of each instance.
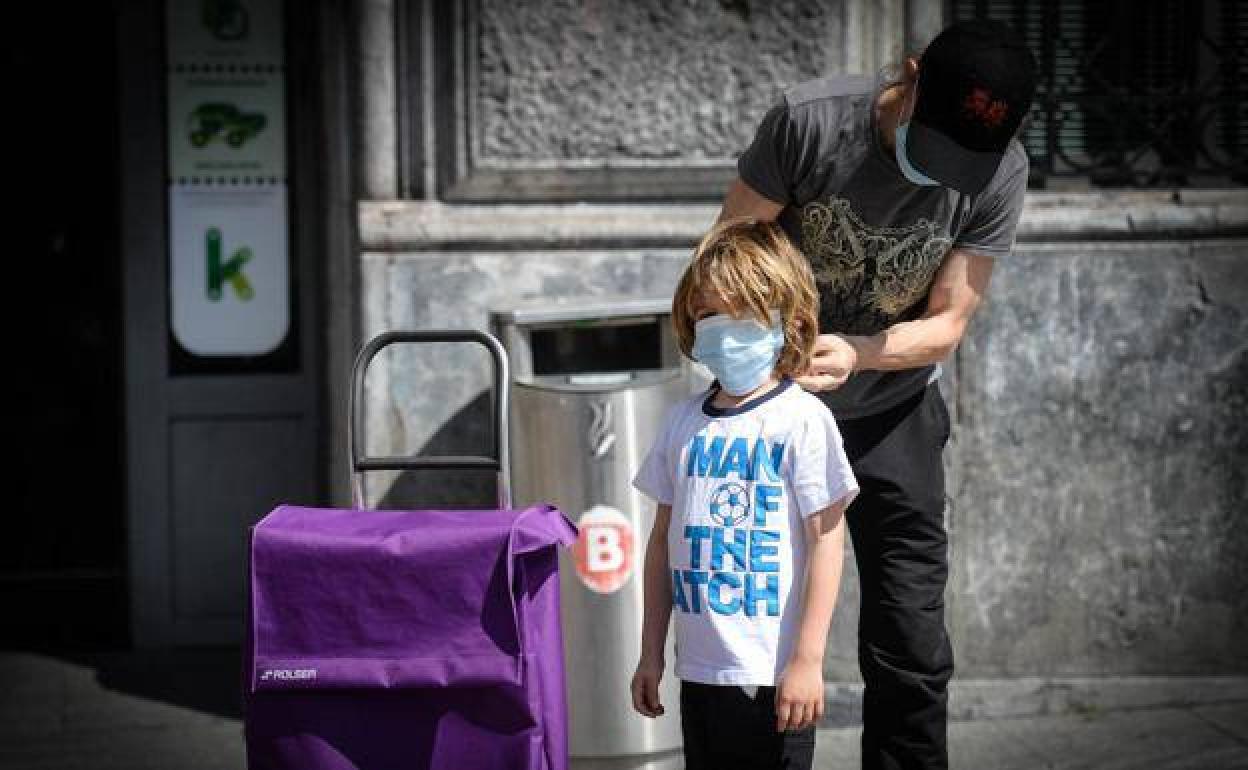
(1133, 93)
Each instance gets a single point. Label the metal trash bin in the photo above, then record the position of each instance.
(592, 382)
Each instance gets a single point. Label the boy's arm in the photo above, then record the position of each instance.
(657, 587)
(657, 613)
(799, 697)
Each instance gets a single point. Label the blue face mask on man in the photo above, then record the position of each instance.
(740, 352)
(903, 161)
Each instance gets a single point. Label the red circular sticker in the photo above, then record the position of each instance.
(604, 550)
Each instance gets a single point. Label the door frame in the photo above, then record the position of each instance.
(153, 399)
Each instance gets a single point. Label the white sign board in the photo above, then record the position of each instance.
(228, 252)
(229, 278)
(209, 32)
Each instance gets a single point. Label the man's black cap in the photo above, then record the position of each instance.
(976, 83)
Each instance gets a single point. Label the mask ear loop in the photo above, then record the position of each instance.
(912, 91)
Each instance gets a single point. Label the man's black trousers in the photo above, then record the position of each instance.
(898, 531)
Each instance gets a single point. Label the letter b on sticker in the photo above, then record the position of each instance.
(605, 553)
(604, 549)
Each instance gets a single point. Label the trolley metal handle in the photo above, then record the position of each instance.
(498, 461)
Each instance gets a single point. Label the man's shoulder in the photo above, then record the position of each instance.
(1015, 158)
(1011, 173)
(830, 111)
(832, 88)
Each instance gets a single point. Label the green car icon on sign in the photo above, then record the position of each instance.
(226, 121)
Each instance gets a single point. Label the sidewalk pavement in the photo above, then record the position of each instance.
(136, 711)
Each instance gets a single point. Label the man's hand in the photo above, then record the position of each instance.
(799, 695)
(834, 360)
(645, 687)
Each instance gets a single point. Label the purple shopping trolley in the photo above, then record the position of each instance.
(382, 640)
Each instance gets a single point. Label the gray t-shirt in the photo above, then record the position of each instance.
(874, 239)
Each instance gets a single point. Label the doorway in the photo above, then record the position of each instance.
(63, 572)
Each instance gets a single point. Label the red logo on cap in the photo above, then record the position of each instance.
(979, 105)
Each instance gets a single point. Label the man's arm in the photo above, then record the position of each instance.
(799, 693)
(957, 290)
(742, 200)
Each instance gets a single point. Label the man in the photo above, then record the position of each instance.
(902, 195)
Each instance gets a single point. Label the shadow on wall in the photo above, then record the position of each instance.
(467, 432)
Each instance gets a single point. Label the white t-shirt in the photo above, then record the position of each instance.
(740, 482)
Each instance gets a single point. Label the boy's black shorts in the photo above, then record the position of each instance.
(726, 729)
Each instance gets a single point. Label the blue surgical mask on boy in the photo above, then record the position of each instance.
(903, 161)
(740, 352)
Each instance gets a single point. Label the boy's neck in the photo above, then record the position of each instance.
(725, 400)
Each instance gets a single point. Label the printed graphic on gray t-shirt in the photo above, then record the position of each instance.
(874, 240)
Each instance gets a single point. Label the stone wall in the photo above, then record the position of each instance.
(595, 100)
(569, 81)
(1100, 451)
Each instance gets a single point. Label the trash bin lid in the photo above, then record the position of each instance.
(529, 313)
(600, 382)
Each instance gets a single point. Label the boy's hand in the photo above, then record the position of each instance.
(799, 695)
(645, 688)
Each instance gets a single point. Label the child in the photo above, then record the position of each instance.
(751, 482)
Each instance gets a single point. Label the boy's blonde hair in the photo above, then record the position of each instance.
(755, 268)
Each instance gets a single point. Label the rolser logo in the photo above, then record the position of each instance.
(287, 674)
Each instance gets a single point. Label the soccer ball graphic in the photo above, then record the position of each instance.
(730, 504)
